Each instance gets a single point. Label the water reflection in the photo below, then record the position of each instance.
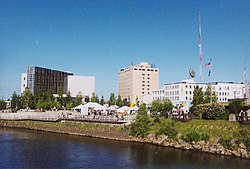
(31, 149)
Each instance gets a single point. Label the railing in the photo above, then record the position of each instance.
(59, 117)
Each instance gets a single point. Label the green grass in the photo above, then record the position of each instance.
(214, 128)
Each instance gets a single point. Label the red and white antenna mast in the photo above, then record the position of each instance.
(200, 48)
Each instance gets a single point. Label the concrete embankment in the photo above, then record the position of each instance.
(121, 133)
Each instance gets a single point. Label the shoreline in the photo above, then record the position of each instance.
(111, 133)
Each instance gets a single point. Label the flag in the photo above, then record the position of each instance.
(208, 65)
(209, 73)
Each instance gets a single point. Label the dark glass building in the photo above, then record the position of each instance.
(43, 80)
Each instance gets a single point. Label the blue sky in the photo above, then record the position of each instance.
(97, 38)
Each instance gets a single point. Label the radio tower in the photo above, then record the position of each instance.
(200, 47)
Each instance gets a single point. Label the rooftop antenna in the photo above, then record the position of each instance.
(200, 47)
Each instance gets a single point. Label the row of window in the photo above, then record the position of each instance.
(145, 69)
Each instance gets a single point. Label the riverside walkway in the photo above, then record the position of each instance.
(61, 116)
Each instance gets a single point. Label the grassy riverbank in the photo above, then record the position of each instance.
(221, 137)
(214, 128)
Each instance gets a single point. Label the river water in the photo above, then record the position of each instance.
(20, 148)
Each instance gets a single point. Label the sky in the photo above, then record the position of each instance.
(98, 38)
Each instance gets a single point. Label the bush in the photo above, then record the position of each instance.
(226, 142)
(193, 136)
(205, 137)
(245, 137)
(168, 129)
(214, 112)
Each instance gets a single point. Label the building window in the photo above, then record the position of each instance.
(190, 92)
(24, 78)
(148, 92)
(186, 98)
(148, 88)
(23, 85)
(135, 68)
(142, 88)
(156, 70)
(142, 92)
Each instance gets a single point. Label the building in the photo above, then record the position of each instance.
(181, 93)
(39, 79)
(247, 86)
(81, 84)
(24, 82)
(137, 80)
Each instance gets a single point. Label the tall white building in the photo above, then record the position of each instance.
(24, 82)
(137, 80)
(182, 92)
(83, 84)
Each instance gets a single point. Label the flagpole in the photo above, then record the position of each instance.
(211, 100)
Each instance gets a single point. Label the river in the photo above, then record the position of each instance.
(21, 148)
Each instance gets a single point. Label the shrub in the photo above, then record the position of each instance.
(168, 129)
(215, 111)
(245, 137)
(226, 142)
(193, 136)
(205, 137)
(156, 119)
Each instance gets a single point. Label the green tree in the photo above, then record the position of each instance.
(141, 126)
(119, 101)
(60, 96)
(112, 99)
(167, 106)
(207, 96)
(156, 107)
(198, 96)
(68, 98)
(40, 104)
(137, 101)
(78, 99)
(235, 106)
(16, 102)
(27, 99)
(69, 106)
(93, 98)
(2, 104)
(102, 102)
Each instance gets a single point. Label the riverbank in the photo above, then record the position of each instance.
(121, 133)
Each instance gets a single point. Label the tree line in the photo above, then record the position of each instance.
(47, 101)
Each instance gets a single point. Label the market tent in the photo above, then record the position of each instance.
(113, 107)
(124, 109)
(84, 109)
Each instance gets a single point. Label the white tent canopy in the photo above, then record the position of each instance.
(123, 109)
(91, 105)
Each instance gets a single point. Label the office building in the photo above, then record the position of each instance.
(182, 92)
(39, 79)
(137, 81)
(81, 84)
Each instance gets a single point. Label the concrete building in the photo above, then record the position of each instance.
(247, 94)
(83, 84)
(182, 92)
(24, 82)
(39, 79)
(137, 80)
